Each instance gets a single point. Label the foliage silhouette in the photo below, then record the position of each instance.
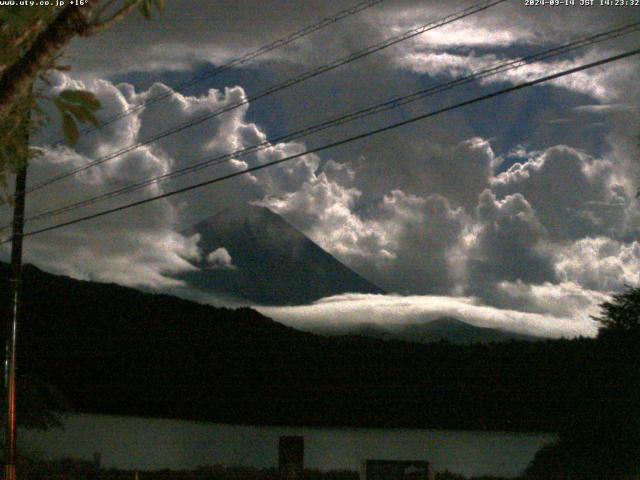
(620, 317)
(112, 349)
(602, 437)
(32, 41)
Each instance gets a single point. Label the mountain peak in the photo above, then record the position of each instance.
(448, 329)
(273, 262)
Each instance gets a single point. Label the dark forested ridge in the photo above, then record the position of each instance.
(449, 329)
(112, 349)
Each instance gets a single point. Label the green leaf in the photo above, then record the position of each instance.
(81, 97)
(76, 106)
(70, 128)
(145, 9)
(82, 114)
(77, 111)
(60, 105)
(35, 152)
(92, 119)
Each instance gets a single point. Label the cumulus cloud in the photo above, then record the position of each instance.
(402, 240)
(492, 237)
(506, 250)
(344, 312)
(532, 246)
(600, 263)
(526, 213)
(220, 259)
(509, 244)
(137, 248)
(562, 300)
(144, 246)
(573, 194)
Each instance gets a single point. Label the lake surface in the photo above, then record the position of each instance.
(141, 443)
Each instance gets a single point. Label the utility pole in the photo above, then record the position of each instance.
(15, 288)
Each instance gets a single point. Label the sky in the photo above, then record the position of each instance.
(518, 212)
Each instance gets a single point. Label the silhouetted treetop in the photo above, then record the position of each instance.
(621, 315)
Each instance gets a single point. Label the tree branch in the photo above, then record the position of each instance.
(26, 34)
(105, 6)
(17, 78)
(98, 26)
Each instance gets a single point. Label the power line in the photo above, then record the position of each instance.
(336, 143)
(280, 86)
(496, 68)
(282, 42)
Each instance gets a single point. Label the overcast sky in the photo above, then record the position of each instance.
(518, 212)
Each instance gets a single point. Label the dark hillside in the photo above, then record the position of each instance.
(448, 329)
(116, 350)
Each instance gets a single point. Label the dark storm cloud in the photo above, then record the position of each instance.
(509, 245)
(201, 30)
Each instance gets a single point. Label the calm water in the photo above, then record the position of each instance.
(128, 442)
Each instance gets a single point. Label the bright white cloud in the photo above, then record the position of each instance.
(344, 312)
(572, 193)
(382, 244)
(509, 244)
(419, 211)
(600, 263)
(561, 300)
(601, 84)
(144, 246)
(220, 259)
(604, 108)
(492, 28)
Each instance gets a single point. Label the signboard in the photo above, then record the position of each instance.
(396, 470)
